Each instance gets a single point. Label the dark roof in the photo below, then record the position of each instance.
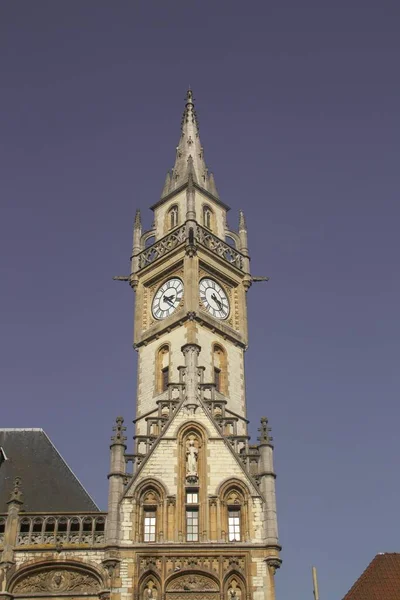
(47, 482)
(380, 580)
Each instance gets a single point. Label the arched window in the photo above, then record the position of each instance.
(150, 504)
(220, 369)
(173, 217)
(162, 368)
(235, 501)
(207, 217)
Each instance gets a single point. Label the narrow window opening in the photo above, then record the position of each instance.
(24, 527)
(3, 525)
(192, 525)
(173, 217)
(234, 525)
(37, 526)
(149, 525)
(207, 217)
(217, 379)
(164, 379)
(192, 497)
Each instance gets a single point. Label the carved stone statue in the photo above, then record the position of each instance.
(234, 592)
(150, 592)
(191, 462)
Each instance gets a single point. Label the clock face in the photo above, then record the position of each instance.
(214, 298)
(167, 298)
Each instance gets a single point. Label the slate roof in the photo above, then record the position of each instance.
(380, 580)
(47, 482)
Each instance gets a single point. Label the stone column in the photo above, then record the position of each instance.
(116, 482)
(11, 530)
(191, 353)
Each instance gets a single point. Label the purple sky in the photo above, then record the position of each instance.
(298, 104)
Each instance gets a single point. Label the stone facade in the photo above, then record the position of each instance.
(191, 513)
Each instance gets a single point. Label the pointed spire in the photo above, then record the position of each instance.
(189, 147)
(138, 221)
(242, 221)
(167, 185)
(212, 188)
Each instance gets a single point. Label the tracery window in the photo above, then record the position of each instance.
(173, 215)
(207, 217)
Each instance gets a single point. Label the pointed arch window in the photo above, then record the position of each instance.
(173, 217)
(162, 368)
(151, 502)
(207, 217)
(220, 368)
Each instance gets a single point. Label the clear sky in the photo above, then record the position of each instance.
(298, 104)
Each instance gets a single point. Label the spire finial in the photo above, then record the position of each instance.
(119, 437)
(264, 437)
(16, 494)
(242, 221)
(138, 221)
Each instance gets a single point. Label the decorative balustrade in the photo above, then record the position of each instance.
(219, 247)
(61, 529)
(162, 247)
(202, 236)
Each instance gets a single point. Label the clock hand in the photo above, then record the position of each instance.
(169, 299)
(214, 297)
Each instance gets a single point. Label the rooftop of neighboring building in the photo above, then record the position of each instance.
(380, 580)
(47, 482)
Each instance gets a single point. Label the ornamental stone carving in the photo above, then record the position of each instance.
(58, 581)
(195, 583)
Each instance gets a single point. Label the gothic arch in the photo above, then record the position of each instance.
(191, 435)
(56, 577)
(163, 367)
(220, 368)
(190, 584)
(150, 586)
(234, 586)
(235, 518)
(149, 515)
(208, 217)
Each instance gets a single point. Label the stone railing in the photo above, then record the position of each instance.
(219, 247)
(162, 247)
(202, 236)
(66, 529)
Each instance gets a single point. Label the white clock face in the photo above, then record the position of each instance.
(167, 298)
(214, 298)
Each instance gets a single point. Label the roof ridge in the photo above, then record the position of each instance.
(69, 468)
(21, 429)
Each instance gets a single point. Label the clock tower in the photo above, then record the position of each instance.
(195, 518)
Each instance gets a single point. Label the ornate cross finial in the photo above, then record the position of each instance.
(119, 431)
(16, 494)
(264, 437)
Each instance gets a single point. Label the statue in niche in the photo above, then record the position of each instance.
(234, 593)
(150, 591)
(191, 459)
